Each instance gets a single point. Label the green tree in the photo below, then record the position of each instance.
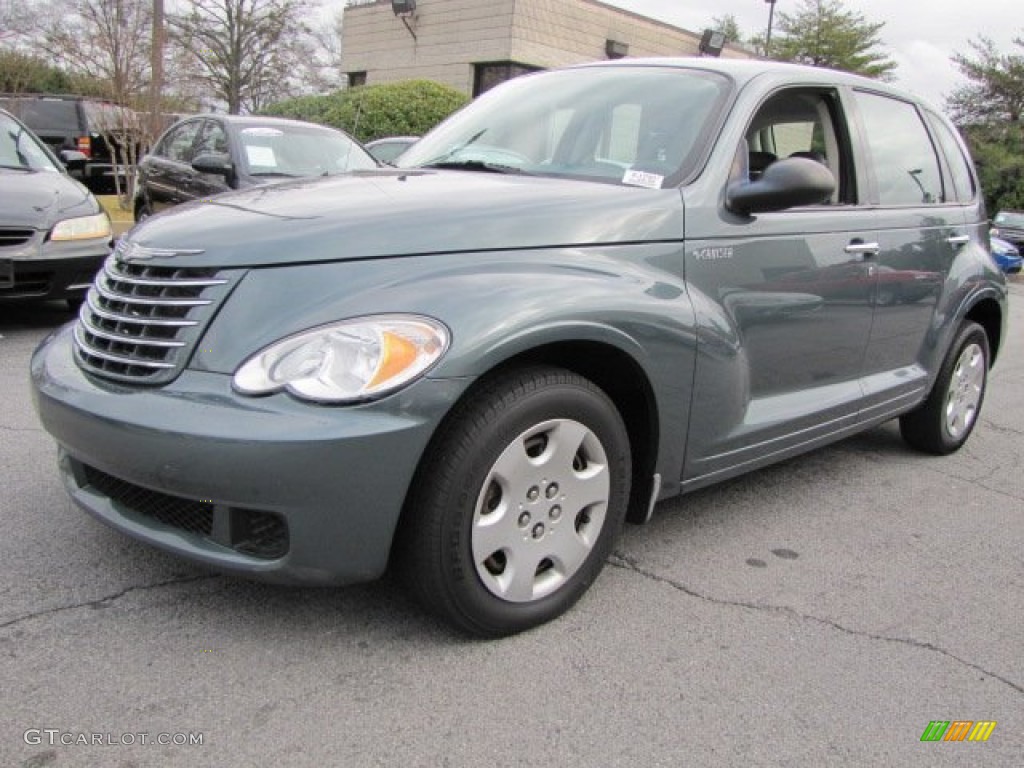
(823, 33)
(989, 109)
(995, 88)
(368, 112)
(729, 27)
(24, 73)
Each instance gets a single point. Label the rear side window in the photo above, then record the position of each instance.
(959, 166)
(902, 157)
(46, 116)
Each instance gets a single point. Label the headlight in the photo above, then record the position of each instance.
(82, 228)
(347, 361)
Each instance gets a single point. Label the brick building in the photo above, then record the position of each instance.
(474, 44)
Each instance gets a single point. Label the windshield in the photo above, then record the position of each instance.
(1009, 219)
(636, 125)
(20, 150)
(300, 150)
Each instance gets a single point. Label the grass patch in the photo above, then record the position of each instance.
(113, 208)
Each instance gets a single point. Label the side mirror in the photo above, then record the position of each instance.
(74, 161)
(786, 183)
(214, 162)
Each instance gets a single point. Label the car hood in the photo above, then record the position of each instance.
(375, 214)
(39, 199)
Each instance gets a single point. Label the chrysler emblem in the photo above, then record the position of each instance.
(128, 251)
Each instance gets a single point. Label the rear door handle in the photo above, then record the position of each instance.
(958, 239)
(867, 250)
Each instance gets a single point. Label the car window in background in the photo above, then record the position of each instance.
(55, 114)
(178, 145)
(19, 148)
(1009, 219)
(299, 150)
(902, 156)
(645, 125)
(213, 140)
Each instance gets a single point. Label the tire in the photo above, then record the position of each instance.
(945, 420)
(517, 503)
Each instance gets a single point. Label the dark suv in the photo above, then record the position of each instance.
(77, 123)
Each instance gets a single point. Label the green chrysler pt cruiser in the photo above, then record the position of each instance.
(592, 289)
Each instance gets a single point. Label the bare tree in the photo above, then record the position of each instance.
(246, 52)
(106, 42)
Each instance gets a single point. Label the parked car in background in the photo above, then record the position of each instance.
(1009, 225)
(207, 155)
(387, 150)
(97, 129)
(1007, 255)
(551, 315)
(53, 233)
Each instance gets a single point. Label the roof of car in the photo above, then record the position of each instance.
(255, 120)
(743, 71)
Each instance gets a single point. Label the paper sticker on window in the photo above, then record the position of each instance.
(261, 156)
(642, 179)
(262, 132)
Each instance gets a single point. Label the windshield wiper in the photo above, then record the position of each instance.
(474, 165)
(25, 168)
(282, 174)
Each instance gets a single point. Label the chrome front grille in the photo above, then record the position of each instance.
(139, 323)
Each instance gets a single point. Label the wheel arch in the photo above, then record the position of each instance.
(618, 374)
(989, 315)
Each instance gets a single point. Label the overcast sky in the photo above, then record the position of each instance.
(920, 35)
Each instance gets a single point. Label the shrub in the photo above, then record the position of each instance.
(368, 112)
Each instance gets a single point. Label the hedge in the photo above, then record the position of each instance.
(368, 112)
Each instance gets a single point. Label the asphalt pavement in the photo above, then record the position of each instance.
(821, 612)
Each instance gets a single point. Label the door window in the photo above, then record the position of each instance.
(178, 145)
(902, 157)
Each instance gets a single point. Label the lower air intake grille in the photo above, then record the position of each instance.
(252, 532)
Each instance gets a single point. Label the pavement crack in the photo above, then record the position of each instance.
(104, 600)
(628, 563)
(5, 428)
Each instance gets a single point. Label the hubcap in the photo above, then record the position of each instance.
(965, 390)
(540, 511)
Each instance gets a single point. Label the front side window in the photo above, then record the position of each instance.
(901, 153)
(638, 126)
(19, 150)
(178, 144)
(801, 122)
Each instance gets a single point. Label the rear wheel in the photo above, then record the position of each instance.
(945, 420)
(518, 503)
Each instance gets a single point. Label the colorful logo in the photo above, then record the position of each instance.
(958, 730)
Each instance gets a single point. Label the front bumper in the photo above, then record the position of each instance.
(36, 271)
(271, 488)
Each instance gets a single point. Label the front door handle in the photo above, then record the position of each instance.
(958, 239)
(867, 250)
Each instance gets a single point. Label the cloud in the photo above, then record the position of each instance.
(925, 69)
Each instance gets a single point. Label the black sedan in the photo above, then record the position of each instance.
(204, 155)
(53, 233)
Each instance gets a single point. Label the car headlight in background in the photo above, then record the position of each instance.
(347, 361)
(82, 228)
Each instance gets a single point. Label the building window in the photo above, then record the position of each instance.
(356, 78)
(488, 75)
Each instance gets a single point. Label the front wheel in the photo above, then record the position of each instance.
(518, 502)
(945, 420)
